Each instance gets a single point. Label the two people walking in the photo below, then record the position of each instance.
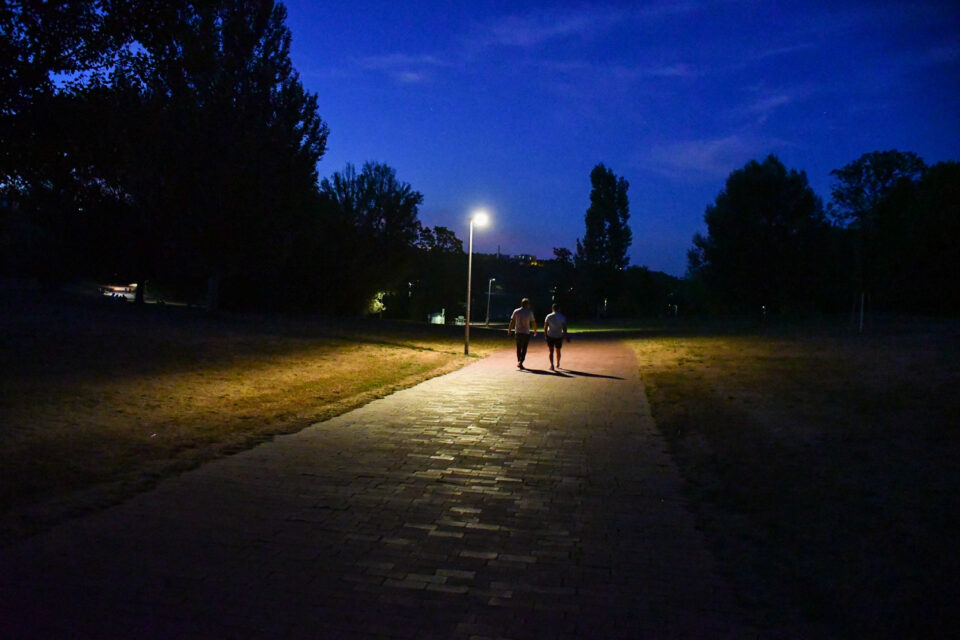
(523, 324)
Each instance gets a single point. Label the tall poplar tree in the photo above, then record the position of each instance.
(602, 255)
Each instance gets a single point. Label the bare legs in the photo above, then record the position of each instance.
(549, 344)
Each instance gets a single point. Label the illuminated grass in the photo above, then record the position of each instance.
(97, 403)
(614, 326)
(823, 469)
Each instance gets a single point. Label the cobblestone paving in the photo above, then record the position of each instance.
(487, 503)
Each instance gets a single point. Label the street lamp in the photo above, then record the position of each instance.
(489, 286)
(480, 218)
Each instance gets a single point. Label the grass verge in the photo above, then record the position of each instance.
(823, 469)
(100, 399)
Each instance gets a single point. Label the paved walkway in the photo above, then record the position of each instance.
(485, 503)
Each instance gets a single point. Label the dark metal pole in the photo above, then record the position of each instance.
(489, 287)
(466, 334)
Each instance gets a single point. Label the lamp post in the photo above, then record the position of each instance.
(481, 219)
(489, 287)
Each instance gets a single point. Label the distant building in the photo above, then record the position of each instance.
(527, 259)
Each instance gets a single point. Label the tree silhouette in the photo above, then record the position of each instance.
(372, 229)
(39, 39)
(935, 216)
(190, 132)
(603, 252)
(433, 278)
(863, 183)
(439, 239)
(42, 195)
(562, 273)
(763, 232)
(908, 242)
(861, 188)
(244, 136)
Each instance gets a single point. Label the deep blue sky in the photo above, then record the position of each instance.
(509, 105)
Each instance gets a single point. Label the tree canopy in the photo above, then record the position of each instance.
(372, 229)
(863, 183)
(190, 131)
(607, 236)
(905, 239)
(247, 135)
(763, 231)
(376, 203)
(603, 252)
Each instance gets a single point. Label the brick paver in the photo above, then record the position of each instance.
(487, 503)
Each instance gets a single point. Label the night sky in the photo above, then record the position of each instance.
(509, 105)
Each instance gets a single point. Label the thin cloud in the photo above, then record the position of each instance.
(936, 55)
(533, 29)
(707, 158)
(783, 51)
(529, 31)
(565, 66)
(945, 54)
(617, 71)
(410, 77)
(583, 90)
(393, 60)
(764, 102)
(762, 108)
(771, 102)
(403, 68)
(677, 70)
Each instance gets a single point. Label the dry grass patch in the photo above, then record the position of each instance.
(824, 468)
(100, 401)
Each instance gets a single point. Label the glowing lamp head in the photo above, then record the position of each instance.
(480, 218)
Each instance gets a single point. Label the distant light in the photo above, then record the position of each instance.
(480, 218)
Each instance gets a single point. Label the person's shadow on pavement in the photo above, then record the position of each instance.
(543, 372)
(591, 375)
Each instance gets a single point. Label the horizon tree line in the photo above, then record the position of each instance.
(173, 142)
(887, 239)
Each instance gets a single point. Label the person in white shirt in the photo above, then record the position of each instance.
(555, 328)
(522, 322)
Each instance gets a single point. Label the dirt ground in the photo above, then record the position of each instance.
(99, 399)
(823, 466)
